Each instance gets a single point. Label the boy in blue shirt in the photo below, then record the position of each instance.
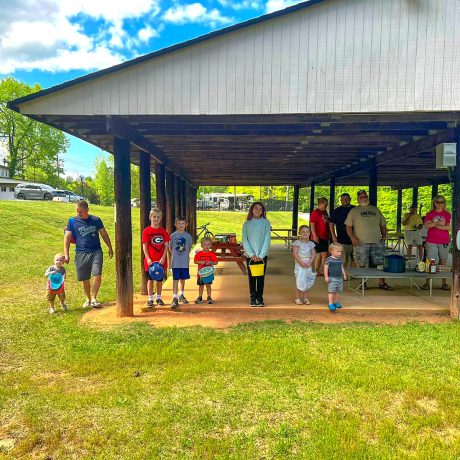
(334, 275)
(180, 247)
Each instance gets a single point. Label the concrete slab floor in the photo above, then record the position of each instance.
(231, 294)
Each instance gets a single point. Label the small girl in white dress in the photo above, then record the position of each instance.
(303, 251)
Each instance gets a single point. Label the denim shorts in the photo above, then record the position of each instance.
(181, 274)
(335, 285)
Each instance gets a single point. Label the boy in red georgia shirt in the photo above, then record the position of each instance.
(205, 258)
(155, 243)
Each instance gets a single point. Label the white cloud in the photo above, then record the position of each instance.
(241, 5)
(45, 35)
(195, 13)
(147, 33)
(275, 5)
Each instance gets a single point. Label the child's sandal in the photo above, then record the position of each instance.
(445, 287)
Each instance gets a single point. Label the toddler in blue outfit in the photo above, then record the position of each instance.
(334, 275)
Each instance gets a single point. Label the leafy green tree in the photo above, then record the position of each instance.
(32, 147)
(103, 182)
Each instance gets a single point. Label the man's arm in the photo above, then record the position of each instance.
(333, 234)
(352, 235)
(105, 236)
(67, 237)
(383, 231)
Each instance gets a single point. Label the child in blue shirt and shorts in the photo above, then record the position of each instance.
(334, 275)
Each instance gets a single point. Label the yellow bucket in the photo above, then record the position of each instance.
(256, 269)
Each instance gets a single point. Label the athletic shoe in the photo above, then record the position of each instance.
(150, 303)
(175, 303)
(338, 305)
(160, 303)
(52, 310)
(199, 299)
(87, 304)
(209, 300)
(331, 307)
(96, 304)
(252, 303)
(183, 299)
(306, 301)
(298, 302)
(64, 307)
(260, 302)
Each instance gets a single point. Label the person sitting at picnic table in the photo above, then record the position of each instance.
(413, 223)
(437, 242)
(319, 226)
(339, 229)
(366, 227)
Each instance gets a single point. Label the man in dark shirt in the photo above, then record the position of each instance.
(339, 229)
(86, 228)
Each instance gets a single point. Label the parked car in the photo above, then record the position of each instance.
(34, 192)
(67, 196)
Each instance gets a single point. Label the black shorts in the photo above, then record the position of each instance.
(322, 246)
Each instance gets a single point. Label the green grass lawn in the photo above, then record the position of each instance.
(265, 390)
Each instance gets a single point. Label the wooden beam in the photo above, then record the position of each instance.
(434, 190)
(393, 155)
(145, 195)
(399, 211)
(295, 210)
(455, 291)
(372, 181)
(183, 197)
(415, 196)
(170, 202)
(331, 194)
(123, 228)
(312, 197)
(161, 191)
(177, 198)
(119, 128)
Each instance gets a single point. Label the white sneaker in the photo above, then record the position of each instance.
(298, 302)
(52, 310)
(96, 304)
(87, 304)
(306, 301)
(64, 307)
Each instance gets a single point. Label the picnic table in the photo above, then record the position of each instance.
(416, 279)
(230, 252)
(278, 234)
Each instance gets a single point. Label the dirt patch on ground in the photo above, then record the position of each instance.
(226, 317)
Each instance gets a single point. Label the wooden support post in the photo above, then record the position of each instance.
(434, 192)
(312, 197)
(193, 197)
(177, 194)
(183, 197)
(415, 196)
(331, 194)
(161, 190)
(170, 203)
(295, 210)
(399, 212)
(186, 211)
(373, 181)
(455, 292)
(145, 195)
(123, 227)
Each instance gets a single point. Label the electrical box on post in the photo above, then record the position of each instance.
(446, 155)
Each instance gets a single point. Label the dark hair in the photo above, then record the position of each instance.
(250, 215)
(180, 219)
(346, 194)
(82, 204)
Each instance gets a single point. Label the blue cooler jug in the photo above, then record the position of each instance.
(394, 264)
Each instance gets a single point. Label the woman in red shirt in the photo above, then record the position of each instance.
(319, 225)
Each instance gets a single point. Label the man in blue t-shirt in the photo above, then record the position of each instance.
(85, 229)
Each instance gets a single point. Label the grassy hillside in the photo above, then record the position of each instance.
(268, 390)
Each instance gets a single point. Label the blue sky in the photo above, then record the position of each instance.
(52, 41)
